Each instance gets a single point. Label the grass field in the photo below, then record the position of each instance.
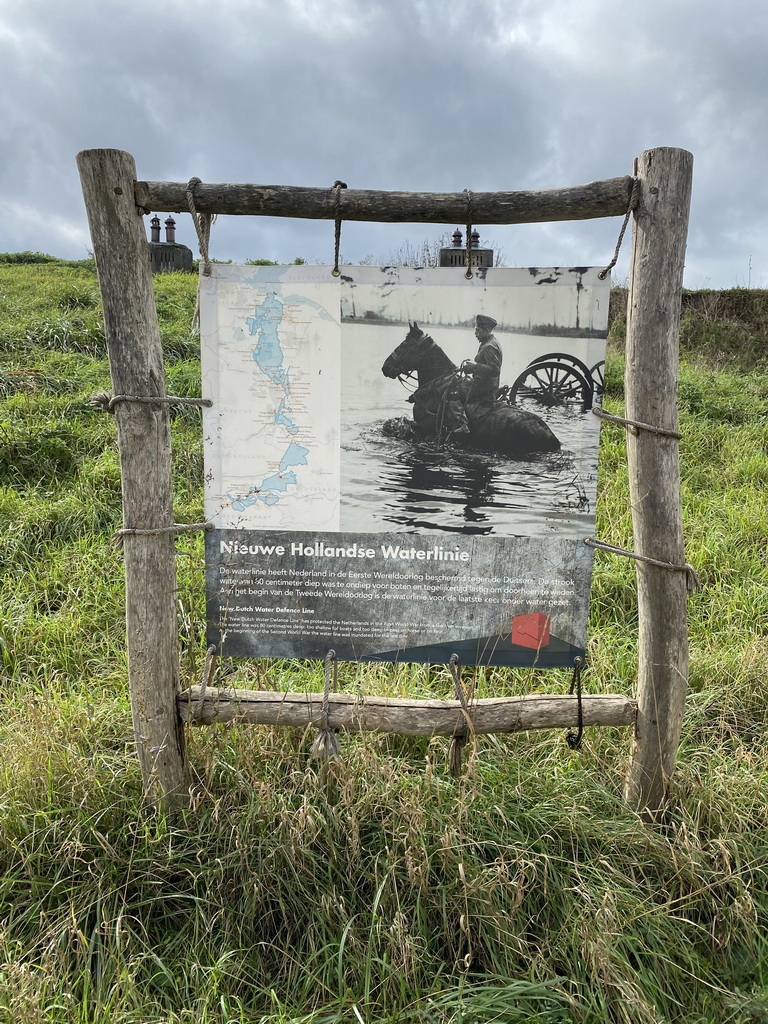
(524, 891)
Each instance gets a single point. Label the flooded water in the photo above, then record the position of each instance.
(393, 485)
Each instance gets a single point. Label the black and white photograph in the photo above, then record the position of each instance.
(467, 404)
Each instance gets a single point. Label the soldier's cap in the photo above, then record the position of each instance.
(486, 322)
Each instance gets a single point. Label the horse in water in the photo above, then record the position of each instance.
(440, 404)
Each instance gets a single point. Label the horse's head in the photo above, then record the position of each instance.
(406, 357)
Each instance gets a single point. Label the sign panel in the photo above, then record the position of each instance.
(400, 464)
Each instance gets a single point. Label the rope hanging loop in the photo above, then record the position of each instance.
(634, 202)
(326, 745)
(209, 670)
(573, 738)
(468, 272)
(461, 733)
(337, 187)
(202, 222)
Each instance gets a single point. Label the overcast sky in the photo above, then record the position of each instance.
(415, 95)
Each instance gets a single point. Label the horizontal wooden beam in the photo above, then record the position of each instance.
(404, 716)
(608, 198)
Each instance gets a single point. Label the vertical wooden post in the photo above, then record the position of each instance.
(143, 432)
(653, 318)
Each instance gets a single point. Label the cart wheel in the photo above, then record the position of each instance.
(553, 383)
(597, 373)
(564, 357)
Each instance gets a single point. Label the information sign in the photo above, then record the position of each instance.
(400, 464)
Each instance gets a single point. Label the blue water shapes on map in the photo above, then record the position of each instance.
(283, 420)
(268, 352)
(271, 487)
(269, 358)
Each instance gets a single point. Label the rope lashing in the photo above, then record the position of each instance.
(337, 187)
(468, 272)
(635, 426)
(634, 202)
(460, 735)
(106, 402)
(573, 739)
(128, 531)
(326, 745)
(202, 222)
(692, 580)
(208, 672)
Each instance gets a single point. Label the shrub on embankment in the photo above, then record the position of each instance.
(724, 330)
(522, 892)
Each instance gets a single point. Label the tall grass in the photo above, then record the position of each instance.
(523, 891)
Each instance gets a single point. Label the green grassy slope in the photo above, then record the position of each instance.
(522, 892)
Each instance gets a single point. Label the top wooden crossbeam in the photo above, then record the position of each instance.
(609, 198)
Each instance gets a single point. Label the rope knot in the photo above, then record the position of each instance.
(103, 400)
(326, 745)
(463, 728)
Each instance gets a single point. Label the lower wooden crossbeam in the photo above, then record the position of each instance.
(402, 715)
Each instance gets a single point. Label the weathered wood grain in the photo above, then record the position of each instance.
(403, 716)
(607, 198)
(143, 433)
(653, 316)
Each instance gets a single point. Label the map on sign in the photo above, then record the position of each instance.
(276, 464)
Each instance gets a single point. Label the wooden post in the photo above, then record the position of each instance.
(143, 433)
(653, 317)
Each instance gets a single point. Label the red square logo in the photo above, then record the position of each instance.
(531, 630)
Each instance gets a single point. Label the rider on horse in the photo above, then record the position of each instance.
(449, 408)
(485, 371)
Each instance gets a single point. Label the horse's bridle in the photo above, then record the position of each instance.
(409, 381)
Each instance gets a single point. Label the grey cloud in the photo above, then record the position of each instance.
(407, 94)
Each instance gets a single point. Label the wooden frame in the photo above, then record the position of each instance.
(116, 202)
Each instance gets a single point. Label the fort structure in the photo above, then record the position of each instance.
(170, 255)
(456, 255)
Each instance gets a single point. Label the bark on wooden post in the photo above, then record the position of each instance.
(143, 431)
(653, 317)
